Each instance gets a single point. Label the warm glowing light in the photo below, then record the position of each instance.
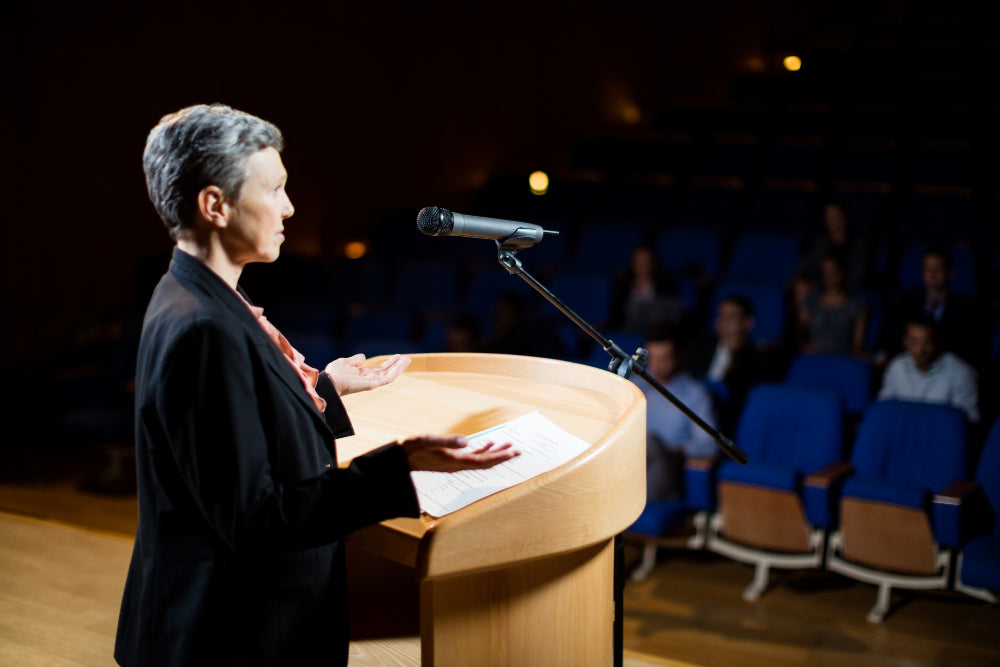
(793, 63)
(539, 182)
(355, 249)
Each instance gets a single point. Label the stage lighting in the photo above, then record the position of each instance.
(539, 182)
(355, 249)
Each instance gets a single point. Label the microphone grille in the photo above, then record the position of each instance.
(435, 221)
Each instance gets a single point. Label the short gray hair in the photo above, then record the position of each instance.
(196, 147)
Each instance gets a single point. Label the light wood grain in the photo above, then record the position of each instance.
(763, 518)
(525, 576)
(60, 589)
(887, 537)
(586, 501)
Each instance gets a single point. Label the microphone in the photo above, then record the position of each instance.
(435, 221)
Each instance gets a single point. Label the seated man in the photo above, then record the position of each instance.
(671, 435)
(925, 372)
(727, 359)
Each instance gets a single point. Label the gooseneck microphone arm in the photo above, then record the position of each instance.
(621, 363)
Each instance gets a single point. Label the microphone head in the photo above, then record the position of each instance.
(435, 221)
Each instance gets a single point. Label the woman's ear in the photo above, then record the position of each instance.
(212, 206)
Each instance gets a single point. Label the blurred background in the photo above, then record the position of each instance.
(646, 117)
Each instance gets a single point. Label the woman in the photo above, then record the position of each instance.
(832, 320)
(242, 507)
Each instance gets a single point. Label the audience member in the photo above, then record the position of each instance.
(645, 295)
(728, 360)
(926, 372)
(832, 320)
(670, 434)
(837, 235)
(953, 312)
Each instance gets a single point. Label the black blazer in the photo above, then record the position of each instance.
(242, 508)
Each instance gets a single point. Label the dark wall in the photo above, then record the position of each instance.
(384, 105)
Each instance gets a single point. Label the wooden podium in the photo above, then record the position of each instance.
(525, 576)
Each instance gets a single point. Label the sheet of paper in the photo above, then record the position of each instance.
(543, 446)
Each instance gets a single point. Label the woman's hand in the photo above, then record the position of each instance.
(451, 454)
(350, 375)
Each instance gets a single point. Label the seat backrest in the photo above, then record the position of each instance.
(988, 472)
(768, 300)
(850, 376)
(916, 444)
(765, 256)
(794, 426)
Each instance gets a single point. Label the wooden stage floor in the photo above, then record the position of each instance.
(63, 557)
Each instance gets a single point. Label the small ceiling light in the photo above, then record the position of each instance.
(539, 182)
(793, 63)
(355, 249)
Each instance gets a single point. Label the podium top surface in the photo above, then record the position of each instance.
(592, 497)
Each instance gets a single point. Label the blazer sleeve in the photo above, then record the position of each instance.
(207, 407)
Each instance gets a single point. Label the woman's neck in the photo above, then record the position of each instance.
(214, 257)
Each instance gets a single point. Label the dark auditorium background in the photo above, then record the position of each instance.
(391, 106)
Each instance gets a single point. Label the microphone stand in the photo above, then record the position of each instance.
(621, 362)
(624, 365)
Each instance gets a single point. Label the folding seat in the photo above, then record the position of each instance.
(974, 509)
(606, 246)
(849, 376)
(679, 523)
(683, 250)
(585, 292)
(763, 256)
(490, 282)
(873, 301)
(903, 454)
(774, 510)
(770, 308)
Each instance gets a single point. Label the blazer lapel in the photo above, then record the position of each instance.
(205, 280)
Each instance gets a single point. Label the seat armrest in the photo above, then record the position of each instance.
(699, 481)
(821, 493)
(829, 475)
(702, 463)
(954, 513)
(957, 492)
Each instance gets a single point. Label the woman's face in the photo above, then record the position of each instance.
(833, 274)
(255, 222)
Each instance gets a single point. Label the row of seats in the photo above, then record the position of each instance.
(893, 506)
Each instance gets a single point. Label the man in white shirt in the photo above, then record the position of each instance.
(670, 435)
(925, 372)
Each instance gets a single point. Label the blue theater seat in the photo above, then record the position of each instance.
(774, 511)
(849, 376)
(904, 453)
(678, 523)
(974, 511)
